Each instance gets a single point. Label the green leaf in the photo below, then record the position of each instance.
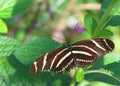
(114, 21)
(79, 76)
(85, 35)
(101, 76)
(34, 48)
(7, 46)
(20, 34)
(113, 18)
(113, 69)
(105, 33)
(90, 23)
(111, 58)
(105, 60)
(98, 83)
(115, 10)
(104, 6)
(110, 64)
(3, 27)
(62, 5)
(13, 7)
(13, 73)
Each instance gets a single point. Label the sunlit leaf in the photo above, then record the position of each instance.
(106, 60)
(79, 76)
(3, 27)
(13, 7)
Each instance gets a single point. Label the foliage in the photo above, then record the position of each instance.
(90, 24)
(11, 8)
(17, 55)
(3, 27)
(27, 53)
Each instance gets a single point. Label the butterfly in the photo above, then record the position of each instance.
(80, 54)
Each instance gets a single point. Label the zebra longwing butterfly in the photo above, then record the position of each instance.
(82, 53)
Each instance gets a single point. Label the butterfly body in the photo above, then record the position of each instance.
(82, 53)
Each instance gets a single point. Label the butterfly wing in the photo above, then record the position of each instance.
(82, 53)
(87, 51)
(55, 60)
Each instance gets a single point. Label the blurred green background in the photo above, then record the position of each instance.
(52, 17)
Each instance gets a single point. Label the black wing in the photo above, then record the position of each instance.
(54, 60)
(87, 51)
(82, 53)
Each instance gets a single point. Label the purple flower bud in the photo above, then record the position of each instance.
(73, 24)
(78, 28)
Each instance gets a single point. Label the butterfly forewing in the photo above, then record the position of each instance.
(54, 60)
(82, 53)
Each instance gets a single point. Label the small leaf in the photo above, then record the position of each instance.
(3, 27)
(114, 21)
(34, 48)
(79, 76)
(20, 35)
(105, 33)
(13, 7)
(85, 35)
(7, 46)
(90, 23)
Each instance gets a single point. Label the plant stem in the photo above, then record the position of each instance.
(78, 76)
(103, 19)
(73, 81)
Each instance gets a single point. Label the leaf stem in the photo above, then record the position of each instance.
(73, 81)
(103, 19)
(78, 76)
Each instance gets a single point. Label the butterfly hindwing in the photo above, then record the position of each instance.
(90, 50)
